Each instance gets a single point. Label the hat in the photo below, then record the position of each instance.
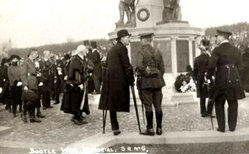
(86, 42)
(94, 44)
(13, 57)
(205, 42)
(4, 60)
(122, 33)
(223, 33)
(67, 56)
(145, 35)
(81, 48)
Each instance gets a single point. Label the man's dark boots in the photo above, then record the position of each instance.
(149, 130)
(39, 114)
(159, 116)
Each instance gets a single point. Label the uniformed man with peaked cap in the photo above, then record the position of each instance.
(150, 68)
(225, 59)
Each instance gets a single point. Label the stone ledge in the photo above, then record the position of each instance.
(183, 137)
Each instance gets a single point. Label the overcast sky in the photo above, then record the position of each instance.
(38, 22)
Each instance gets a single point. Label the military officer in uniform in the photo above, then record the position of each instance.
(150, 68)
(200, 69)
(225, 59)
(30, 82)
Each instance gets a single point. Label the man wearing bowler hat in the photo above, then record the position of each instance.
(150, 68)
(225, 59)
(115, 95)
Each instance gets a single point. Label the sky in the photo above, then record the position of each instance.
(37, 22)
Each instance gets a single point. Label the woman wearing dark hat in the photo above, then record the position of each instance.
(15, 84)
(4, 83)
(115, 95)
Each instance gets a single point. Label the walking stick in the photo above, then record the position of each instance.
(211, 117)
(104, 120)
(135, 105)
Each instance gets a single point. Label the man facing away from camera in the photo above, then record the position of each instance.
(225, 59)
(150, 68)
(115, 95)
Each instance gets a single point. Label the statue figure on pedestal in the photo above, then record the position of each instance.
(171, 11)
(126, 7)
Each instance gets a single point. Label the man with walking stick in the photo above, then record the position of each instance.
(150, 67)
(115, 95)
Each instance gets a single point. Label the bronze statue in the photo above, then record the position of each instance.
(171, 11)
(128, 7)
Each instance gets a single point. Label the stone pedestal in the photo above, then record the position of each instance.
(176, 40)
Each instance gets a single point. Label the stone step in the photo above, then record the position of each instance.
(4, 130)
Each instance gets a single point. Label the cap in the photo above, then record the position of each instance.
(86, 42)
(122, 33)
(146, 35)
(13, 57)
(94, 44)
(223, 33)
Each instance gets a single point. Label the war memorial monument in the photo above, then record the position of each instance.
(175, 38)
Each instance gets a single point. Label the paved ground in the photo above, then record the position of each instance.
(57, 130)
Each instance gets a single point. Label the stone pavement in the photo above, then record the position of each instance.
(57, 131)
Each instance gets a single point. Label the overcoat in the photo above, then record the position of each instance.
(97, 69)
(29, 75)
(200, 68)
(223, 56)
(4, 82)
(73, 95)
(115, 95)
(245, 70)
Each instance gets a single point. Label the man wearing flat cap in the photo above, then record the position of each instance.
(115, 95)
(225, 59)
(150, 69)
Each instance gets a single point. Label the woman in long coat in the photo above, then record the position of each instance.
(115, 94)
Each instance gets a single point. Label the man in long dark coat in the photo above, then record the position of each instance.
(225, 59)
(115, 95)
(200, 68)
(97, 69)
(245, 70)
(74, 89)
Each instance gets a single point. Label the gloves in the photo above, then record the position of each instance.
(25, 88)
(19, 84)
(81, 86)
(40, 84)
(1, 90)
(65, 78)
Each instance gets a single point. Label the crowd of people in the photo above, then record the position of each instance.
(31, 83)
